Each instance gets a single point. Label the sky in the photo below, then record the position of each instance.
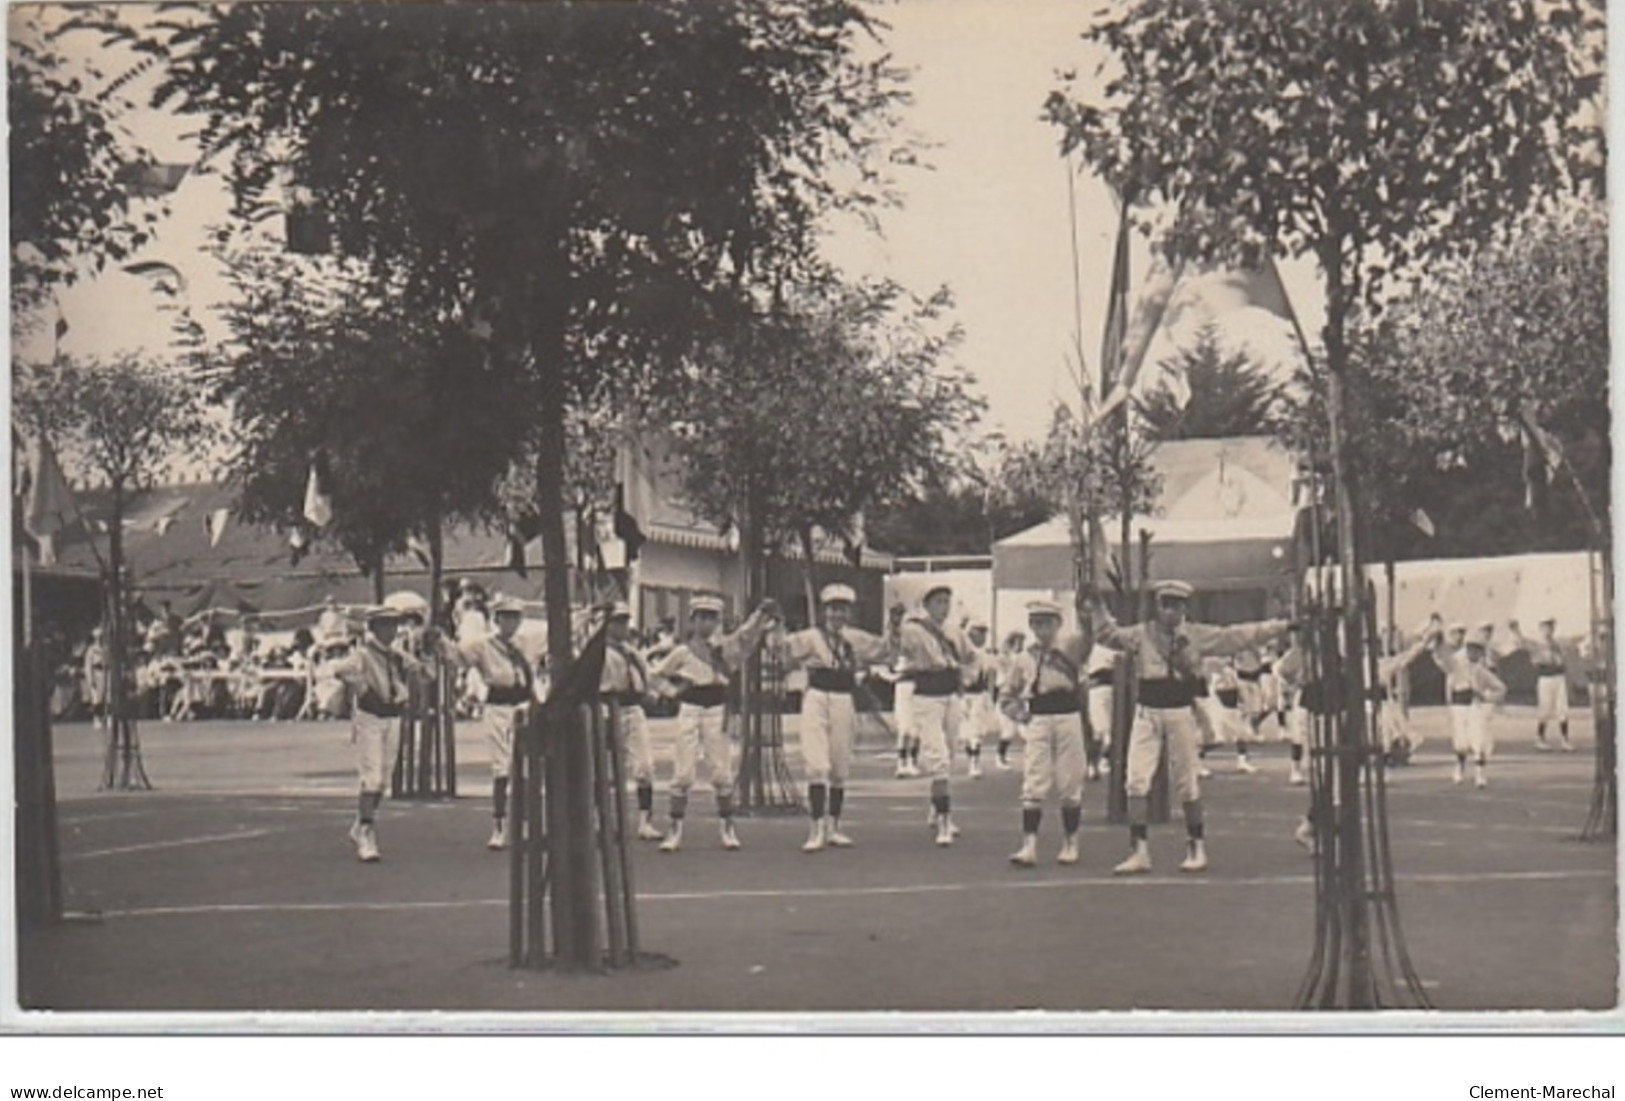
(989, 218)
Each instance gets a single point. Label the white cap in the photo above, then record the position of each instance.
(620, 610)
(507, 604)
(383, 611)
(934, 590)
(837, 594)
(1043, 607)
(976, 625)
(408, 603)
(1459, 626)
(1177, 590)
(712, 604)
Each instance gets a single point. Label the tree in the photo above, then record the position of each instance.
(1084, 472)
(595, 182)
(324, 367)
(1229, 395)
(117, 422)
(72, 163)
(839, 400)
(1368, 135)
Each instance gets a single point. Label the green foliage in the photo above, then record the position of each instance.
(1230, 395)
(119, 421)
(1329, 129)
(592, 179)
(401, 408)
(71, 160)
(842, 399)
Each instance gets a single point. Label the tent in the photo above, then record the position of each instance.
(1225, 524)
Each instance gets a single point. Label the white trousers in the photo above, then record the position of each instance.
(640, 761)
(702, 730)
(931, 717)
(1052, 760)
(1156, 730)
(981, 719)
(499, 724)
(1552, 696)
(827, 719)
(903, 710)
(376, 742)
(1471, 731)
(1100, 713)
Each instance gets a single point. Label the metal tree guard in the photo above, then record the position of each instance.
(536, 842)
(764, 785)
(1602, 816)
(426, 764)
(1359, 959)
(122, 768)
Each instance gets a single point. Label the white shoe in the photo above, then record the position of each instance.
(902, 771)
(834, 837)
(815, 838)
(1244, 765)
(1305, 834)
(730, 839)
(1027, 855)
(674, 839)
(975, 772)
(1459, 775)
(1138, 862)
(1004, 765)
(946, 832)
(1296, 777)
(1069, 851)
(1092, 772)
(914, 770)
(1542, 745)
(1203, 772)
(366, 846)
(648, 831)
(1568, 746)
(1480, 780)
(499, 837)
(1195, 857)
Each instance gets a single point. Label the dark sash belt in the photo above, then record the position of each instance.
(507, 696)
(373, 705)
(1548, 670)
(1166, 692)
(831, 680)
(1461, 696)
(1054, 703)
(1102, 678)
(625, 699)
(1229, 697)
(936, 682)
(1249, 674)
(705, 695)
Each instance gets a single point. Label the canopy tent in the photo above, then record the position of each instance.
(1226, 527)
(1523, 587)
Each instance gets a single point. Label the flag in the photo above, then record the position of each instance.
(47, 501)
(1423, 523)
(522, 528)
(318, 505)
(419, 549)
(215, 525)
(163, 524)
(632, 497)
(1138, 333)
(1111, 341)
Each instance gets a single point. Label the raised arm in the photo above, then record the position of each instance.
(1211, 641)
(870, 649)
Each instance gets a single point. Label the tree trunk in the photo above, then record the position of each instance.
(569, 780)
(376, 569)
(808, 578)
(437, 569)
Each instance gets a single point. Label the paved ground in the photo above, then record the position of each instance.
(233, 886)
